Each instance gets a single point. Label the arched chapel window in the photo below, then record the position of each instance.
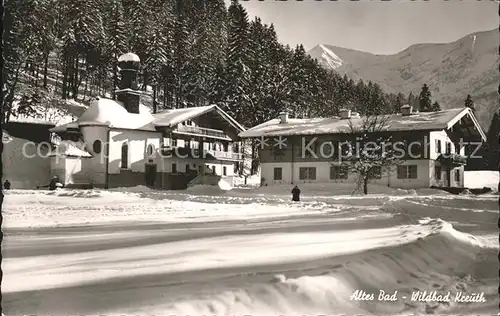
(124, 156)
(97, 146)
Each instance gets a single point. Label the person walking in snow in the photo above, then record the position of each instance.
(54, 184)
(6, 185)
(296, 194)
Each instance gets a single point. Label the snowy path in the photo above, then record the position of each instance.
(128, 254)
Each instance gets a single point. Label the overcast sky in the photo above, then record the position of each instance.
(372, 25)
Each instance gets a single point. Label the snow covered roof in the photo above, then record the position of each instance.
(129, 57)
(64, 127)
(111, 113)
(334, 125)
(170, 118)
(30, 120)
(70, 148)
(6, 138)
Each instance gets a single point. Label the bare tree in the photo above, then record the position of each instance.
(369, 152)
(246, 167)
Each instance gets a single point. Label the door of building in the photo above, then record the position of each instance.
(150, 175)
(448, 177)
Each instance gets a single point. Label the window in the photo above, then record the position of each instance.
(224, 171)
(457, 175)
(309, 150)
(457, 149)
(278, 174)
(307, 173)
(448, 148)
(437, 172)
(187, 168)
(174, 142)
(328, 149)
(412, 171)
(174, 168)
(407, 172)
(124, 156)
(338, 172)
(213, 169)
(97, 146)
(278, 153)
(345, 149)
(376, 172)
(438, 145)
(150, 150)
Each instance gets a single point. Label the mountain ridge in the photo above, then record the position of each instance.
(468, 65)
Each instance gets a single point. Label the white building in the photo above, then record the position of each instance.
(121, 143)
(26, 147)
(308, 146)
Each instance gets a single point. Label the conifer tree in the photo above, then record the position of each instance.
(398, 102)
(436, 107)
(193, 52)
(469, 103)
(116, 37)
(424, 99)
(238, 60)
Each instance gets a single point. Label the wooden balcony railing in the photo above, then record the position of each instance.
(229, 155)
(202, 131)
(185, 152)
(452, 159)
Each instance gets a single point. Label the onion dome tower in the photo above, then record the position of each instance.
(129, 93)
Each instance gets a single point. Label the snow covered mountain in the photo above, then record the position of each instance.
(452, 70)
(327, 58)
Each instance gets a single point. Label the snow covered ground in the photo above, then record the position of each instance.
(481, 179)
(247, 251)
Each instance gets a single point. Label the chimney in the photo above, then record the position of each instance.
(284, 117)
(406, 110)
(345, 114)
(129, 93)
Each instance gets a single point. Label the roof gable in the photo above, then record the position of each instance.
(467, 113)
(170, 118)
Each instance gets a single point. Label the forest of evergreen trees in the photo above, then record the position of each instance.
(193, 53)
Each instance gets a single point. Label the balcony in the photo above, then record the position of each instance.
(225, 155)
(195, 153)
(452, 160)
(201, 131)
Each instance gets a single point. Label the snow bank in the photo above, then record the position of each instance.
(77, 193)
(481, 179)
(205, 189)
(252, 181)
(224, 185)
(135, 189)
(334, 189)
